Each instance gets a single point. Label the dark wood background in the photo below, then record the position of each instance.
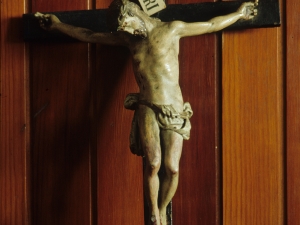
(64, 156)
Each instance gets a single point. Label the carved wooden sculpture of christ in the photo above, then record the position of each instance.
(162, 119)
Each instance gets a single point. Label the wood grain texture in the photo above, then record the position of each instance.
(73, 147)
(60, 91)
(119, 172)
(252, 121)
(120, 187)
(197, 198)
(293, 112)
(120, 196)
(14, 123)
(197, 193)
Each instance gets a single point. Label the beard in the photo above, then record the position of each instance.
(141, 32)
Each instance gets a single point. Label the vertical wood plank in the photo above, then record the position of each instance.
(120, 186)
(14, 127)
(60, 127)
(197, 198)
(199, 165)
(253, 127)
(120, 173)
(293, 112)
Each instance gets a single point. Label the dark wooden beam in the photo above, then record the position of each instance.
(268, 16)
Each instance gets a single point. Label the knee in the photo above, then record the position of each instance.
(172, 170)
(153, 165)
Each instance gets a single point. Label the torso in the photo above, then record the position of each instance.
(155, 63)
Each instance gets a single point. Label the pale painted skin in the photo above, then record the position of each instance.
(155, 52)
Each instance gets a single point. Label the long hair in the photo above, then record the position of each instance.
(116, 9)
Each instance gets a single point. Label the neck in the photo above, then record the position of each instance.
(150, 23)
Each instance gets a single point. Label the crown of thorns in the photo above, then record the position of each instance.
(124, 9)
(117, 9)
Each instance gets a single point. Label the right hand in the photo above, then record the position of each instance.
(247, 9)
(47, 21)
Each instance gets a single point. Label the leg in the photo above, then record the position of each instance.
(150, 140)
(172, 148)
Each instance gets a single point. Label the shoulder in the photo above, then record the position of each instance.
(118, 38)
(184, 29)
(175, 25)
(172, 27)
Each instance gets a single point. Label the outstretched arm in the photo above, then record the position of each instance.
(246, 11)
(51, 22)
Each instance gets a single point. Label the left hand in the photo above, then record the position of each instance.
(248, 10)
(47, 21)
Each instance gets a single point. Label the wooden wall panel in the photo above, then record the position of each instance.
(252, 121)
(199, 165)
(293, 112)
(60, 97)
(197, 198)
(14, 123)
(67, 161)
(120, 194)
(119, 172)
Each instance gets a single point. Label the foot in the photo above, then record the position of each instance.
(154, 220)
(163, 217)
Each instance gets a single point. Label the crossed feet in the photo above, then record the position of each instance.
(158, 218)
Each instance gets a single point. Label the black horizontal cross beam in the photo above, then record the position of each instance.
(95, 20)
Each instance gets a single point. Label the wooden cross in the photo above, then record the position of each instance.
(95, 20)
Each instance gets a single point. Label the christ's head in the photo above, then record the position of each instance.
(128, 16)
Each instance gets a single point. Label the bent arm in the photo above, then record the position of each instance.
(246, 11)
(51, 22)
(213, 25)
(89, 36)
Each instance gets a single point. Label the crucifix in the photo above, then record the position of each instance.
(161, 119)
